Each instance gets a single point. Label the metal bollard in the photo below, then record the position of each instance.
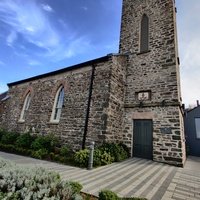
(90, 162)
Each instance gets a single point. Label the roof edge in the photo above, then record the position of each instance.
(66, 69)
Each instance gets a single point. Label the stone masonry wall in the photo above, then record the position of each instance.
(71, 126)
(4, 111)
(116, 100)
(156, 71)
(167, 146)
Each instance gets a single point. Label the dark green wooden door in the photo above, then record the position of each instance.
(142, 139)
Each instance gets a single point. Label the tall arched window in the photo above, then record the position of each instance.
(25, 107)
(144, 35)
(58, 104)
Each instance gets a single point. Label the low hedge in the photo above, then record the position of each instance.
(41, 147)
(47, 147)
(103, 155)
(109, 195)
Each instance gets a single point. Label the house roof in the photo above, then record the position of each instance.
(84, 64)
(192, 109)
(4, 96)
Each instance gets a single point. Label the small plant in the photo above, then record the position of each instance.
(81, 158)
(40, 154)
(102, 158)
(47, 142)
(76, 187)
(125, 148)
(7, 147)
(2, 132)
(9, 138)
(117, 151)
(64, 150)
(25, 140)
(108, 195)
(52, 156)
(133, 198)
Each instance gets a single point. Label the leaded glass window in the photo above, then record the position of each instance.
(58, 104)
(25, 106)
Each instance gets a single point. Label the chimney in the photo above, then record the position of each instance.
(197, 102)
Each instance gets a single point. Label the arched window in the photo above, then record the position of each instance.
(144, 35)
(25, 106)
(58, 104)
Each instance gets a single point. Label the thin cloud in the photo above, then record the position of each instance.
(30, 21)
(70, 49)
(47, 7)
(85, 8)
(34, 62)
(11, 38)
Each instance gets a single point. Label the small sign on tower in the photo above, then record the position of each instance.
(144, 95)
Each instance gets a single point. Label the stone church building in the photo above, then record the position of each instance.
(131, 97)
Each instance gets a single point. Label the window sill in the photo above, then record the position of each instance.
(143, 52)
(21, 121)
(54, 122)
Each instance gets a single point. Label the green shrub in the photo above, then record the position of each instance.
(81, 158)
(125, 148)
(108, 195)
(13, 149)
(47, 142)
(22, 151)
(64, 150)
(52, 156)
(102, 158)
(76, 187)
(25, 140)
(115, 150)
(33, 183)
(9, 138)
(133, 198)
(7, 147)
(2, 132)
(40, 154)
(57, 158)
(2, 195)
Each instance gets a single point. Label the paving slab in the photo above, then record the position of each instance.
(133, 177)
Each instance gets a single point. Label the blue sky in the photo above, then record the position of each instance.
(39, 36)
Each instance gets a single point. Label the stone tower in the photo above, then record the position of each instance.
(153, 121)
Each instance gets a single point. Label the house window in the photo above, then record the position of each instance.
(144, 37)
(25, 107)
(58, 104)
(197, 125)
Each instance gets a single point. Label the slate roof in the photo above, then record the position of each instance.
(4, 96)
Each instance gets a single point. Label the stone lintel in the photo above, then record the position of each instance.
(143, 115)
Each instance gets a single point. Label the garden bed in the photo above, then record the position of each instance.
(48, 147)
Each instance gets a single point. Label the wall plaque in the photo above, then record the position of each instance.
(143, 96)
(166, 130)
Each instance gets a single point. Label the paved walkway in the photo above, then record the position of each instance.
(133, 177)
